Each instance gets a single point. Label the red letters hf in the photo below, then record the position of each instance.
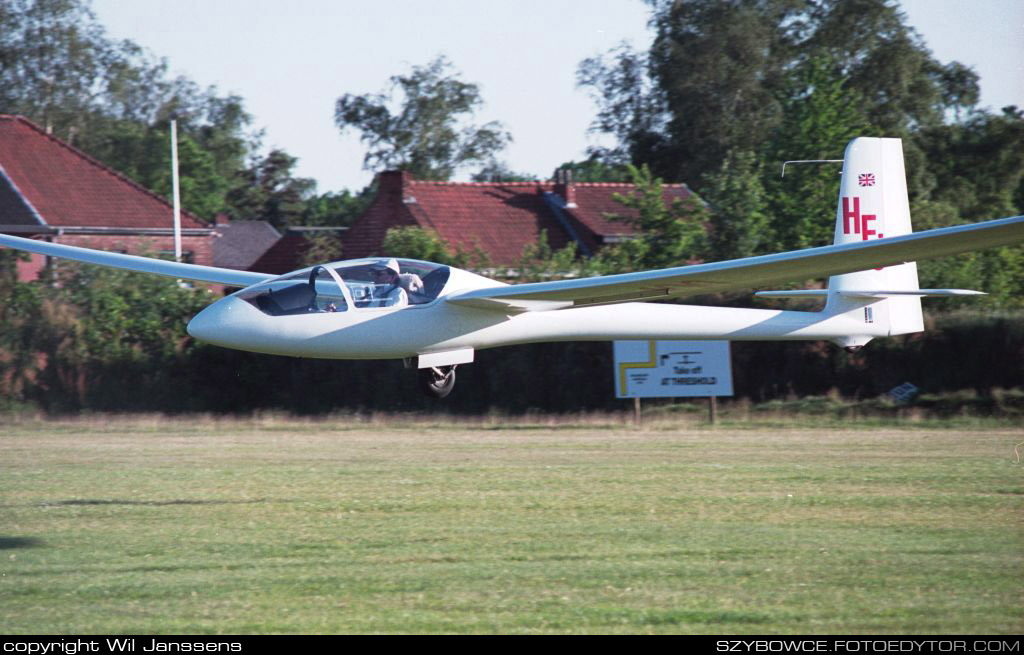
(855, 223)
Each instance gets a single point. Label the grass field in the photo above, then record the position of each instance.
(154, 525)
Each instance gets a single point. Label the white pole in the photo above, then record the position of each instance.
(177, 191)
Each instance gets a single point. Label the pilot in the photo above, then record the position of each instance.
(387, 291)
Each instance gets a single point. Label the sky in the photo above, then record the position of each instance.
(291, 61)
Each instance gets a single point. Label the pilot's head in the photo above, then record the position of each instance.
(385, 271)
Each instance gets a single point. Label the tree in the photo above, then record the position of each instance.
(424, 136)
(418, 243)
(267, 190)
(719, 77)
(54, 61)
(19, 331)
(499, 171)
(719, 65)
(666, 235)
(100, 336)
(595, 169)
(978, 164)
(886, 62)
(338, 208)
(321, 247)
(738, 226)
(115, 102)
(631, 105)
(821, 115)
(539, 262)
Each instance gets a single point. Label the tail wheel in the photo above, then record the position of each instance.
(437, 381)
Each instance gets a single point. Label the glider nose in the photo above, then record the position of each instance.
(202, 323)
(211, 324)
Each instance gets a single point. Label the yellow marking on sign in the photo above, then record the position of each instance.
(652, 362)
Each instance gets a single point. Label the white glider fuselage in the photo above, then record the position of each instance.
(440, 326)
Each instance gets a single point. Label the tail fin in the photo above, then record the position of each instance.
(873, 204)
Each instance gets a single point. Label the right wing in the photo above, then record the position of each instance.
(748, 273)
(212, 274)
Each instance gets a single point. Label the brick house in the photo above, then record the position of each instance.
(500, 218)
(50, 190)
(290, 250)
(240, 244)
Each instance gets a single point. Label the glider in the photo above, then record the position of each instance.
(435, 317)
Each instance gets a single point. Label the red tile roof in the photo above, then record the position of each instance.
(596, 203)
(499, 218)
(50, 180)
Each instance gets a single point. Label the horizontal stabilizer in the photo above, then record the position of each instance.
(854, 293)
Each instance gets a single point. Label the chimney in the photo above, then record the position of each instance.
(393, 183)
(565, 187)
(221, 219)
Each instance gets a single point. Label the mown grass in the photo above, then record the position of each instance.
(271, 525)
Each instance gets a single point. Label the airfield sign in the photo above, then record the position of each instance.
(660, 369)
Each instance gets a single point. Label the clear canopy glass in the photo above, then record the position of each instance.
(354, 285)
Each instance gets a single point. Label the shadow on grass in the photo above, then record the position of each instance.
(8, 543)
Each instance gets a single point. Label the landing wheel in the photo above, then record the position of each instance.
(437, 381)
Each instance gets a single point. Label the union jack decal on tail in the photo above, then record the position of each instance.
(866, 179)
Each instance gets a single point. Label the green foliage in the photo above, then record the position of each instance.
(94, 337)
(339, 209)
(665, 235)
(268, 191)
(821, 115)
(739, 220)
(539, 262)
(719, 66)
(886, 62)
(115, 102)
(424, 137)
(978, 164)
(498, 171)
(20, 323)
(143, 153)
(630, 105)
(999, 272)
(56, 64)
(595, 169)
(415, 242)
(321, 247)
(720, 76)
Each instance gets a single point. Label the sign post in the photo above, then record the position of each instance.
(671, 369)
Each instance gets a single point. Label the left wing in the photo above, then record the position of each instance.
(195, 272)
(746, 273)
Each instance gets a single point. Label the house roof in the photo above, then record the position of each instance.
(499, 218)
(283, 256)
(239, 244)
(47, 182)
(288, 252)
(595, 204)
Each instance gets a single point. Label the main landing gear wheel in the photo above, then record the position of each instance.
(437, 381)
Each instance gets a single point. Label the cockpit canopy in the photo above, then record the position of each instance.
(352, 285)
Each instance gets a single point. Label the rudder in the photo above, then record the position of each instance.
(873, 204)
